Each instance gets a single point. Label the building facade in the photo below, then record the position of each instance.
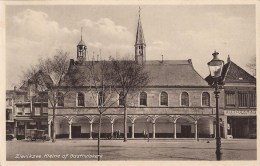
(240, 101)
(177, 103)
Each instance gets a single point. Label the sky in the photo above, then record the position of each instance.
(178, 32)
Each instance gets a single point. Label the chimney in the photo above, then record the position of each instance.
(189, 60)
(15, 88)
(162, 59)
(228, 59)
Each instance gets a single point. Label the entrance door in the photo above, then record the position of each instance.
(185, 131)
(76, 131)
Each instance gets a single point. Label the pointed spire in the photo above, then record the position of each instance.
(81, 33)
(81, 43)
(139, 34)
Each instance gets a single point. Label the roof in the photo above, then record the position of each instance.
(139, 34)
(167, 73)
(81, 43)
(173, 73)
(39, 76)
(232, 73)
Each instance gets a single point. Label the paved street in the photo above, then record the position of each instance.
(243, 149)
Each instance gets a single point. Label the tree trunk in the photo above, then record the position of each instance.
(125, 121)
(99, 133)
(53, 126)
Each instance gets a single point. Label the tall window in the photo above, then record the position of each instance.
(164, 99)
(205, 99)
(121, 98)
(81, 99)
(252, 99)
(230, 98)
(242, 99)
(8, 102)
(185, 99)
(101, 98)
(143, 99)
(60, 99)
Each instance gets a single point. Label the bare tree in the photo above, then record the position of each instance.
(127, 77)
(100, 88)
(252, 66)
(47, 78)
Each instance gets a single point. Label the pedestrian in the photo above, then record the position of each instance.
(119, 134)
(116, 134)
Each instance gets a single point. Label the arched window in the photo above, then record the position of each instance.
(184, 99)
(143, 99)
(205, 99)
(101, 98)
(60, 99)
(81, 99)
(121, 98)
(164, 99)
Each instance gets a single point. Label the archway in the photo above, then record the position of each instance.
(164, 127)
(106, 127)
(206, 127)
(61, 127)
(185, 127)
(141, 125)
(119, 126)
(80, 127)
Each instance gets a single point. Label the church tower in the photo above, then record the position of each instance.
(81, 50)
(140, 52)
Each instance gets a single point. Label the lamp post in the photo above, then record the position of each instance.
(215, 68)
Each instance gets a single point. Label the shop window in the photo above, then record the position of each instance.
(205, 99)
(230, 99)
(143, 99)
(164, 99)
(184, 99)
(81, 100)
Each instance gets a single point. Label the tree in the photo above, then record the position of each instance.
(252, 66)
(100, 88)
(47, 77)
(127, 77)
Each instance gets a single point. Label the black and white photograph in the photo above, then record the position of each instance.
(129, 81)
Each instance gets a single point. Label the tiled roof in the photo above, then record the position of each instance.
(167, 73)
(232, 73)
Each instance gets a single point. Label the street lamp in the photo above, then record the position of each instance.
(215, 68)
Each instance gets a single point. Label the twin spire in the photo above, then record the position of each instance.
(140, 51)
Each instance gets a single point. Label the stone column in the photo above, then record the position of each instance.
(90, 131)
(112, 129)
(175, 130)
(153, 129)
(133, 130)
(49, 129)
(196, 129)
(70, 130)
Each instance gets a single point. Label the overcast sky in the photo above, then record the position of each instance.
(179, 32)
